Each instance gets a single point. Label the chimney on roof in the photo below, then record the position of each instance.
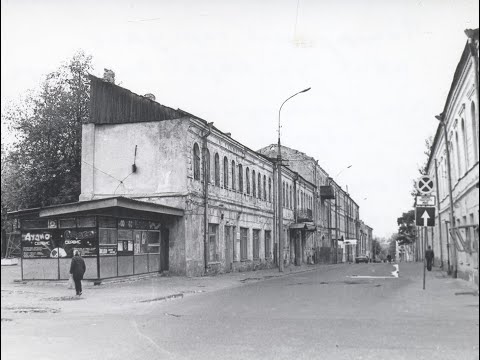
(228, 134)
(150, 96)
(109, 76)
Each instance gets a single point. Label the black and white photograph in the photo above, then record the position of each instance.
(240, 179)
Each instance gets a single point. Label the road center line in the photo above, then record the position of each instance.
(394, 275)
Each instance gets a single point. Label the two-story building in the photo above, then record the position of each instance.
(163, 190)
(455, 243)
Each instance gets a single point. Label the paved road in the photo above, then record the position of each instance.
(348, 312)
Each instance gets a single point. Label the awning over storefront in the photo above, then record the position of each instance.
(303, 226)
(116, 204)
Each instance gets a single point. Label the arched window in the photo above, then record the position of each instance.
(473, 119)
(453, 168)
(217, 170)
(207, 165)
(264, 188)
(196, 162)
(247, 179)
(459, 157)
(286, 195)
(254, 184)
(240, 178)
(283, 197)
(465, 146)
(233, 175)
(225, 172)
(259, 186)
(270, 189)
(291, 198)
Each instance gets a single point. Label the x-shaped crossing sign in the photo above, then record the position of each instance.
(425, 185)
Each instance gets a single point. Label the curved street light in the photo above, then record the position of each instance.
(279, 185)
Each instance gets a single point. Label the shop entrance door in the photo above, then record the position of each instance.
(164, 250)
(228, 248)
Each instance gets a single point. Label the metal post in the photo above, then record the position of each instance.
(280, 198)
(280, 207)
(439, 217)
(424, 257)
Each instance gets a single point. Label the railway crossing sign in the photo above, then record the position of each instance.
(424, 216)
(424, 185)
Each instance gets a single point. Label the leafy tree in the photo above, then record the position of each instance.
(406, 228)
(376, 248)
(392, 246)
(43, 165)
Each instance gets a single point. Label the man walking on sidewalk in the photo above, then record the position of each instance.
(429, 257)
(77, 269)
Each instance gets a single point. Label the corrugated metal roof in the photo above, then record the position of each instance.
(112, 104)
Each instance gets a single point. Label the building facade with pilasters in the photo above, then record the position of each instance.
(456, 244)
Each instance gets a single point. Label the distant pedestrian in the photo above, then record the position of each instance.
(77, 269)
(389, 258)
(429, 257)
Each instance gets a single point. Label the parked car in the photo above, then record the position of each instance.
(362, 258)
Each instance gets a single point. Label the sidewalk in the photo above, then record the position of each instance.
(53, 296)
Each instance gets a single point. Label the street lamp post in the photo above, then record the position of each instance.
(441, 118)
(279, 190)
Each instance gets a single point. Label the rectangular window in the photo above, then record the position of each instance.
(256, 244)
(213, 242)
(35, 224)
(152, 241)
(86, 222)
(67, 223)
(267, 240)
(243, 243)
(125, 242)
(107, 222)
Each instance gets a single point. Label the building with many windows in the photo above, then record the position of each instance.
(456, 244)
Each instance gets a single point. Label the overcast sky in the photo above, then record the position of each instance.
(379, 72)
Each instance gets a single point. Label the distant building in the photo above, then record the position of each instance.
(457, 244)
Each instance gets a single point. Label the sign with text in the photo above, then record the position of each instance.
(424, 216)
(426, 200)
(37, 244)
(83, 240)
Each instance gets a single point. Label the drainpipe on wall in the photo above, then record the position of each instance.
(439, 217)
(205, 195)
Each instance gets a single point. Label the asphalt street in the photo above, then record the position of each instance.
(353, 311)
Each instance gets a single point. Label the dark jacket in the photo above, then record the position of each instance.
(77, 267)
(429, 254)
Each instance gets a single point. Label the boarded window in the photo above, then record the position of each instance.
(243, 243)
(207, 165)
(240, 178)
(217, 170)
(268, 248)
(264, 188)
(256, 244)
(196, 162)
(233, 175)
(225, 172)
(259, 186)
(269, 189)
(213, 242)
